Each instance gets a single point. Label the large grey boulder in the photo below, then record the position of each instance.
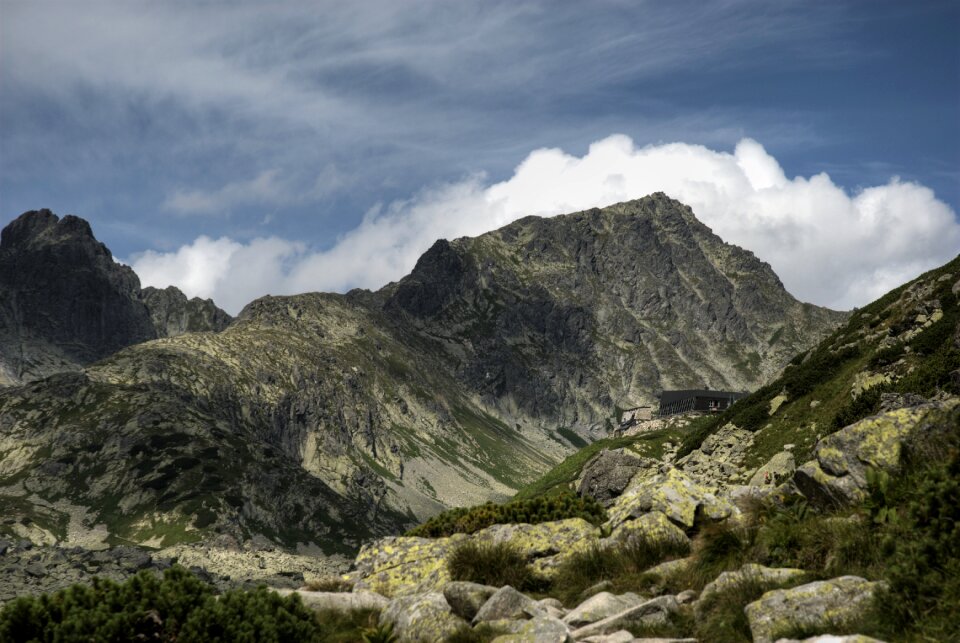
(651, 527)
(656, 611)
(508, 603)
(608, 474)
(421, 617)
(465, 598)
(820, 606)
(838, 475)
(767, 577)
(675, 494)
(599, 607)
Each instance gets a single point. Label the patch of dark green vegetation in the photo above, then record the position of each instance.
(468, 520)
(495, 564)
(177, 607)
(572, 437)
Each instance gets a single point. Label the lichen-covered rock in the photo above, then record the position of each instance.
(670, 567)
(779, 468)
(545, 545)
(465, 598)
(508, 603)
(542, 629)
(656, 611)
(599, 607)
(339, 601)
(401, 565)
(823, 605)
(652, 527)
(752, 573)
(838, 475)
(607, 475)
(421, 617)
(720, 457)
(676, 495)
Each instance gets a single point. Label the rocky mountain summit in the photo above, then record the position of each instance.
(324, 419)
(65, 302)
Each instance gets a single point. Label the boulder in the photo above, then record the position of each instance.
(652, 527)
(674, 493)
(768, 577)
(654, 612)
(421, 617)
(838, 475)
(508, 603)
(599, 607)
(620, 636)
(339, 601)
(465, 598)
(401, 565)
(607, 475)
(779, 468)
(671, 567)
(542, 629)
(823, 606)
(545, 545)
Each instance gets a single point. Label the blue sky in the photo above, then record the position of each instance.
(195, 135)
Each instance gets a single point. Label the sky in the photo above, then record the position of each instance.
(237, 149)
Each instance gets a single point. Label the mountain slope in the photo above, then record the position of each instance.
(898, 351)
(457, 384)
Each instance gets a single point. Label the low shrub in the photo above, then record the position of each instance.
(177, 606)
(537, 510)
(495, 564)
(625, 565)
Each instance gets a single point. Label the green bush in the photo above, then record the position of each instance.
(495, 564)
(542, 509)
(865, 404)
(177, 606)
(924, 558)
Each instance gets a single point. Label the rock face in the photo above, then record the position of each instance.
(607, 475)
(63, 299)
(838, 476)
(445, 388)
(821, 606)
(173, 314)
(65, 302)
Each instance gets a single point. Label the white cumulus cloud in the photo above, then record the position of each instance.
(829, 246)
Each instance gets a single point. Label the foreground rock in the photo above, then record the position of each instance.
(421, 617)
(653, 612)
(601, 606)
(821, 606)
(838, 475)
(542, 629)
(509, 604)
(466, 599)
(752, 573)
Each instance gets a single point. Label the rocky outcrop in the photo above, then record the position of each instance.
(607, 475)
(64, 301)
(173, 314)
(674, 494)
(838, 475)
(821, 607)
(421, 617)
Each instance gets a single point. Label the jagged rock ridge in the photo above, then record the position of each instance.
(325, 418)
(65, 303)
